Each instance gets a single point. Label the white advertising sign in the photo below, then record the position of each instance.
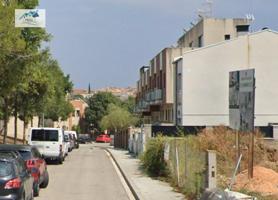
(30, 18)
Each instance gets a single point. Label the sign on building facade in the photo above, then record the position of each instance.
(242, 99)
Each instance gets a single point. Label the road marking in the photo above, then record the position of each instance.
(129, 193)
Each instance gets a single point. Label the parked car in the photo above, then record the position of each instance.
(84, 138)
(67, 143)
(49, 141)
(16, 182)
(103, 138)
(34, 162)
(72, 142)
(74, 139)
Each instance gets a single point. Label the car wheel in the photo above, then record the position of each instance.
(45, 182)
(36, 190)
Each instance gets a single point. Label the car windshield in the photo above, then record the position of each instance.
(26, 155)
(5, 168)
(45, 135)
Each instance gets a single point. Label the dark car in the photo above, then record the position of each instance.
(84, 138)
(16, 182)
(34, 162)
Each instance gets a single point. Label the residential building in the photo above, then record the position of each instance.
(155, 87)
(202, 81)
(79, 113)
(211, 30)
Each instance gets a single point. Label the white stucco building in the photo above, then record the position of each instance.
(202, 80)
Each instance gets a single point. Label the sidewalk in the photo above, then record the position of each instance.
(145, 187)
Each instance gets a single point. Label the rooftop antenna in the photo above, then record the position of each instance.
(249, 16)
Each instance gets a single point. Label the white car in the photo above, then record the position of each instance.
(49, 141)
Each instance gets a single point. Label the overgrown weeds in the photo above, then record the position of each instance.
(153, 158)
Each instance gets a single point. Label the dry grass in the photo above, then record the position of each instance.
(222, 140)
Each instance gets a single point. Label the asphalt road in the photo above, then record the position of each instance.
(87, 173)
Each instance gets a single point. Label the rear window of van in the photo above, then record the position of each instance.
(45, 135)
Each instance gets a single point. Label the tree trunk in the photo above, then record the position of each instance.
(25, 124)
(15, 120)
(6, 120)
(40, 121)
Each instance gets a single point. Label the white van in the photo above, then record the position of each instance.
(49, 141)
(74, 144)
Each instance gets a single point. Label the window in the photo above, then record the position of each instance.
(5, 168)
(227, 37)
(45, 135)
(51, 135)
(26, 155)
(37, 135)
(242, 28)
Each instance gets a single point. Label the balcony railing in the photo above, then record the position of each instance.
(156, 95)
(150, 98)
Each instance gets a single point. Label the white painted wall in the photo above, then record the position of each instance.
(206, 79)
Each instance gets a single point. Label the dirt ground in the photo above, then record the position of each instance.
(265, 181)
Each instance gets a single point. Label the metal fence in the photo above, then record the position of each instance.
(187, 165)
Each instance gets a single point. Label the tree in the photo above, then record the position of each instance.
(117, 119)
(12, 50)
(31, 81)
(55, 105)
(98, 108)
(129, 104)
(33, 38)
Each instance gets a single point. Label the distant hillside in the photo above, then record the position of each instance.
(117, 91)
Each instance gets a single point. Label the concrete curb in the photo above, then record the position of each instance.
(124, 176)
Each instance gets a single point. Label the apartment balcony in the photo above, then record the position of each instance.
(156, 96)
(153, 98)
(141, 106)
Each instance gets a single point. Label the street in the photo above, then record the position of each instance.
(87, 173)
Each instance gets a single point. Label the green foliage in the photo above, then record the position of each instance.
(129, 104)
(98, 107)
(77, 129)
(153, 158)
(31, 81)
(117, 119)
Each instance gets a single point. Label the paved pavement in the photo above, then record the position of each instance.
(145, 187)
(86, 174)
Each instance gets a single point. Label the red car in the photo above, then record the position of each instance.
(34, 162)
(103, 138)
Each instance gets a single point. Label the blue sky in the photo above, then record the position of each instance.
(105, 42)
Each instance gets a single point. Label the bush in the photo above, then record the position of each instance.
(153, 158)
